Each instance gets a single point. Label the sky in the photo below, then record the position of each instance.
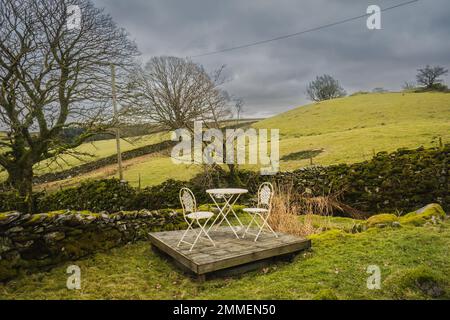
(272, 77)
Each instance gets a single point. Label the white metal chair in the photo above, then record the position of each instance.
(262, 211)
(191, 216)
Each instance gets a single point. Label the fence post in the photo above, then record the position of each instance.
(139, 181)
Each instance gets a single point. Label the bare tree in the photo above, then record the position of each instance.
(53, 77)
(239, 106)
(324, 88)
(429, 76)
(174, 92)
(408, 86)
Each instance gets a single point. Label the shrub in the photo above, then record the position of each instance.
(11, 200)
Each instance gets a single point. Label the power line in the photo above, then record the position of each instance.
(301, 32)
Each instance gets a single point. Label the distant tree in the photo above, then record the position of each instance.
(429, 76)
(239, 106)
(324, 88)
(408, 86)
(379, 90)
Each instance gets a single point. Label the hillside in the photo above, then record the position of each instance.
(344, 130)
(351, 129)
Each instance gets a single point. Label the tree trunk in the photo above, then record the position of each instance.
(234, 175)
(20, 177)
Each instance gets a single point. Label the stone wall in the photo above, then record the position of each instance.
(30, 242)
(97, 164)
(401, 181)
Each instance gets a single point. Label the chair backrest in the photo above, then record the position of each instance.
(187, 200)
(265, 194)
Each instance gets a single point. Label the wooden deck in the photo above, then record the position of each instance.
(229, 251)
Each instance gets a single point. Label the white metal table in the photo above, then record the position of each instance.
(230, 196)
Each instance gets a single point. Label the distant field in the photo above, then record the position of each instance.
(150, 169)
(101, 149)
(344, 130)
(96, 150)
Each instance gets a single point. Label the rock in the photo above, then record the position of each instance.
(54, 236)
(9, 217)
(90, 218)
(433, 212)
(427, 207)
(5, 244)
(15, 229)
(24, 245)
(38, 230)
(12, 256)
(25, 216)
(36, 218)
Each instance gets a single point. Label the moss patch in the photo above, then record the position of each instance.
(417, 283)
(433, 212)
(382, 220)
(325, 294)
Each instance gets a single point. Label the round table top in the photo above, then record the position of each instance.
(227, 191)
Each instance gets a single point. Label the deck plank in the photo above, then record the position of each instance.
(228, 252)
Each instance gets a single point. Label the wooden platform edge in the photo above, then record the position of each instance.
(253, 257)
(174, 253)
(201, 269)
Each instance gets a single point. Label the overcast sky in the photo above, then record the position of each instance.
(272, 77)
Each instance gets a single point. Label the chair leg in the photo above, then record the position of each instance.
(205, 232)
(270, 228)
(249, 225)
(260, 228)
(196, 238)
(185, 233)
(202, 230)
(265, 223)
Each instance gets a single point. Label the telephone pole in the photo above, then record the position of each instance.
(114, 103)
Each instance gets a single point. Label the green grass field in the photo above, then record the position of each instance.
(101, 149)
(95, 150)
(351, 129)
(413, 262)
(344, 130)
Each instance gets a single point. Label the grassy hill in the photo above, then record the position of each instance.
(351, 129)
(344, 130)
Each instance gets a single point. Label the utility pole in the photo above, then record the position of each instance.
(114, 103)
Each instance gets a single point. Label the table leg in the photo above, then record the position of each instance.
(228, 206)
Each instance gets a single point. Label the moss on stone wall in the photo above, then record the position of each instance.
(30, 242)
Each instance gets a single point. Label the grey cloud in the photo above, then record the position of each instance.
(272, 77)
